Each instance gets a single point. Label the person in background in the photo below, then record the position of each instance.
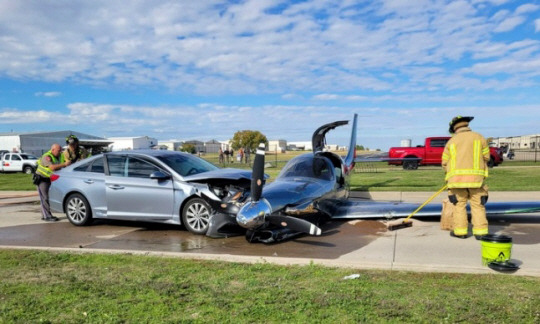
(74, 152)
(46, 165)
(465, 160)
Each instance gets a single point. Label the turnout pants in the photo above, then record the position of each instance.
(477, 198)
(43, 190)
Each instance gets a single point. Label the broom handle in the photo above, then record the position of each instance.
(426, 202)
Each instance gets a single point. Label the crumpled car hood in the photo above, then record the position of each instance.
(224, 174)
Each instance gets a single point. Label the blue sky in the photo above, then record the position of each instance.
(206, 69)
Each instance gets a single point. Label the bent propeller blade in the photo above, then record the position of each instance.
(257, 175)
(295, 224)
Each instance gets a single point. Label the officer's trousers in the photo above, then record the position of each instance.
(477, 198)
(43, 190)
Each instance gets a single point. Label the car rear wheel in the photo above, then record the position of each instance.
(78, 210)
(410, 165)
(491, 162)
(196, 216)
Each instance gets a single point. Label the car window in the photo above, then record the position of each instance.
(117, 165)
(15, 157)
(97, 166)
(140, 169)
(82, 167)
(438, 142)
(28, 157)
(187, 165)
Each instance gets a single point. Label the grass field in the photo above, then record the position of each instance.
(49, 287)
(511, 176)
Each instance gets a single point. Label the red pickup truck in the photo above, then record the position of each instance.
(430, 154)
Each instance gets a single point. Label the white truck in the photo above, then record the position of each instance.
(18, 162)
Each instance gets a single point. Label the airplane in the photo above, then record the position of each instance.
(313, 188)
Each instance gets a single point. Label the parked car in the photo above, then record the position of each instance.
(155, 186)
(18, 162)
(431, 154)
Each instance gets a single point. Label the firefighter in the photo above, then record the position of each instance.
(74, 152)
(465, 160)
(46, 165)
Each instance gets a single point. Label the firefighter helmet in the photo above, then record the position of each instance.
(72, 139)
(458, 119)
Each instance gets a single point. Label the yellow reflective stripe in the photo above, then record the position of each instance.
(460, 231)
(452, 157)
(445, 157)
(476, 154)
(480, 231)
(467, 172)
(485, 151)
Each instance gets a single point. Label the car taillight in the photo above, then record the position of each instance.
(54, 177)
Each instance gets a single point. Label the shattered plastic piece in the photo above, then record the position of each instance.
(353, 276)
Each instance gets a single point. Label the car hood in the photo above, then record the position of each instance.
(223, 174)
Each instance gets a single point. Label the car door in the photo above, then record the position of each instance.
(434, 150)
(90, 179)
(12, 163)
(130, 192)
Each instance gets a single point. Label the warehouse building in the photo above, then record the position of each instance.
(40, 142)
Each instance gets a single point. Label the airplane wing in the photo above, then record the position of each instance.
(355, 209)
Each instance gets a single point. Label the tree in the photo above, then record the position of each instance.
(360, 147)
(248, 139)
(189, 148)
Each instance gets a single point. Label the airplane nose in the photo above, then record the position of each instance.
(252, 214)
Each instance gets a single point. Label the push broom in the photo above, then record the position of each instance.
(407, 223)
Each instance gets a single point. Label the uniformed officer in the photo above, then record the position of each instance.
(74, 152)
(46, 165)
(465, 160)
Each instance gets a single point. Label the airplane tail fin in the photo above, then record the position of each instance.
(351, 154)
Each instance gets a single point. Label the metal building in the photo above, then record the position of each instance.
(40, 142)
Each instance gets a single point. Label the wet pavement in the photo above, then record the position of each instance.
(356, 243)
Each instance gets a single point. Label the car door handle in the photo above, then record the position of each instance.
(116, 187)
(89, 181)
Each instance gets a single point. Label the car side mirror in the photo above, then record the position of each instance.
(158, 175)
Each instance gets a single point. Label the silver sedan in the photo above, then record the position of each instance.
(153, 186)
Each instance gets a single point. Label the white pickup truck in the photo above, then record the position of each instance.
(18, 162)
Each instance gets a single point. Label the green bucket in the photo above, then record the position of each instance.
(496, 248)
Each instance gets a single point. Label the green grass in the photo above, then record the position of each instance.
(511, 176)
(508, 178)
(88, 288)
(16, 181)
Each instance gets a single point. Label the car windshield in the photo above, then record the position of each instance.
(309, 167)
(28, 157)
(186, 165)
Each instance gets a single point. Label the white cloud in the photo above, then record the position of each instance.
(48, 94)
(215, 48)
(537, 25)
(509, 24)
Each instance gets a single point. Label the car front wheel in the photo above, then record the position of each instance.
(28, 169)
(196, 216)
(78, 210)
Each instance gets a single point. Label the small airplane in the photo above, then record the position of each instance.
(313, 188)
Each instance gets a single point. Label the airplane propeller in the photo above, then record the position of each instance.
(257, 178)
(257, 174)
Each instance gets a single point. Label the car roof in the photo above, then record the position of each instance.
(154, 153)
